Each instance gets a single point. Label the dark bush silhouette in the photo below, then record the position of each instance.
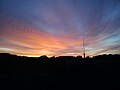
(64, 72)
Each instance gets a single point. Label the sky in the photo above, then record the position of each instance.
(57, 27)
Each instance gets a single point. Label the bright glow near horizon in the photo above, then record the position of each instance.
(57, 27)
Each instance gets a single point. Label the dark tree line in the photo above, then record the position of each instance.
(64, 72)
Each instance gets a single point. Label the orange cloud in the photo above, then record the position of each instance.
(22, 39)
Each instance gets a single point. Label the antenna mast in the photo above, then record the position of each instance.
(83, 47)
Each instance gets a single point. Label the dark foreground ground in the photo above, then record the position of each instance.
(61, 73)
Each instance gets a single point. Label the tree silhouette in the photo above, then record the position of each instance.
(59, 72)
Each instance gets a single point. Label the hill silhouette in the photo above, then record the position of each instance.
(56, 73)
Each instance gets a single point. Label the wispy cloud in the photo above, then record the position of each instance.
(57, 27)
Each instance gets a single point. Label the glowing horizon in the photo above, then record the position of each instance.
(56, 27)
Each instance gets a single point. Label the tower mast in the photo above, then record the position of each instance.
(83, 47)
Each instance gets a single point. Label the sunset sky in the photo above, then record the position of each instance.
(57, 27)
